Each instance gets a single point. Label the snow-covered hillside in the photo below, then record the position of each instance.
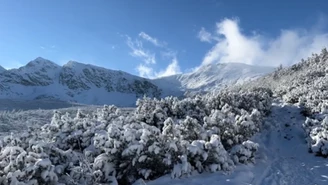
(88, 84)
(43, 79)
(2, 69)
(214, 76)
(305, 84)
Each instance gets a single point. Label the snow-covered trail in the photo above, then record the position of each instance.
(285, 146)
(283, 158)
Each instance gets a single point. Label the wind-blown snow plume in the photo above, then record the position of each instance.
(289, 47)
(172, 69)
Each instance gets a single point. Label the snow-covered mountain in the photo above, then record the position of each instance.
(214, 76)
(2, 69)
(84, 83)
(74, 81)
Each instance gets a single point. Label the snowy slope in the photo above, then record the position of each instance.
(214, 76)
(282, 158)
(39, 72)
(88, 84)
(2, 69)
(77, 82)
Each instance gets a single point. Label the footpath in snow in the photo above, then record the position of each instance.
(282, 159)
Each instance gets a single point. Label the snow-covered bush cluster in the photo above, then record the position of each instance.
(109, 146)
(153, 111)
(317, 135)
(16, 120)
(306, 85)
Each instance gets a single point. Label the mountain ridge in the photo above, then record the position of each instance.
(90, 84)
(43, 79)
(216, 76)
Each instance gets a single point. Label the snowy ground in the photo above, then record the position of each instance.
(12, 104)
(282, 158)
(15, 115)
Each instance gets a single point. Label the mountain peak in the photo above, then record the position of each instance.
(73, 63)
(39, 61)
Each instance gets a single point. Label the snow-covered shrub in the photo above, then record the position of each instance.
(317, 135)
(181, 168)
(244, 152)
(309, 124)
(233, 129)
(217, 158)
(304, 84)
(59, 151)
(221, 124)
(154, 112)
(29, 166)
(188, 127)
(259, 99)
(323, 107)
(108, 146)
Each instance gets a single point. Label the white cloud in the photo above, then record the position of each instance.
(149, 58)
(172, 69)
(148, 72)
(148, 38)
(169, 54)
(204, 35)
(148, 67)
(139, 52)
(287, 48)
(48, 48)
(145, 71)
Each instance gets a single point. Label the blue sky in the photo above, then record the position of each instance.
(153, 38)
